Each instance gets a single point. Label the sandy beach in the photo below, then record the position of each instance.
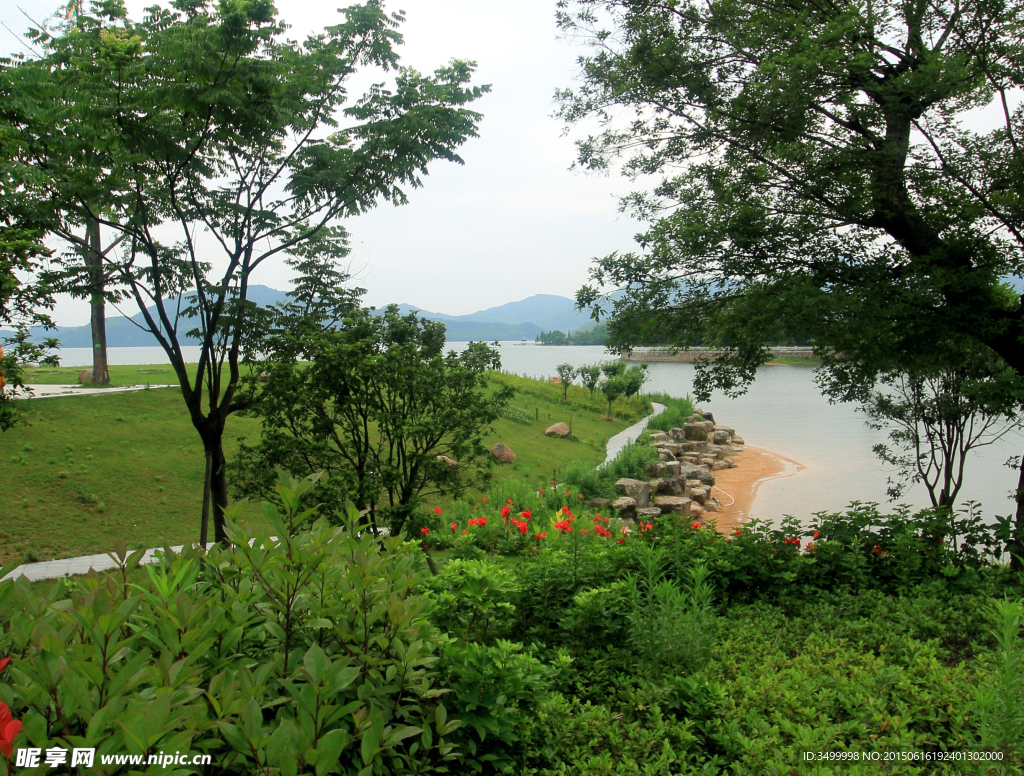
(737, 488)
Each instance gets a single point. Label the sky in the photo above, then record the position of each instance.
(514, 220)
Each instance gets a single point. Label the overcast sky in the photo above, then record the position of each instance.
(514, 220)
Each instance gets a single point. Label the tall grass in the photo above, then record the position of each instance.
(675, 414)
(591, 482)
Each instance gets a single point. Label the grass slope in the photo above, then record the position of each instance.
(88, 470)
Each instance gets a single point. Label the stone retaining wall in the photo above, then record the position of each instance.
(693, 354)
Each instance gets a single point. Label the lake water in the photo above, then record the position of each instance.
(783, 412)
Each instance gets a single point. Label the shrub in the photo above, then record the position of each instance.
(306, 654)
(675, 414)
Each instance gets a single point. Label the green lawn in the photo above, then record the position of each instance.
(134, 374)
(87, 470)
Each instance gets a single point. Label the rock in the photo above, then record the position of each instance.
(719, 465)
(737, 440)
(556, 380)
(450, 461)
(665, 455)
(712, 505)
(696, 473)
(695, 432)
(676, 433)
(696, 510)
(672, 468)
(692, 447)
(709, 416)
(654, 469)
(696, 417)
(560, 430)
(731, 462)
(624, 504)
(679, 505)
(503, 453)
(85, 376)
(670, 447)
(648, 512)
(597, 503)
(637, 490)
(666, 487)
(720, 437)
(708, 460)
(700, 495)
(729, 431)
(659, 436)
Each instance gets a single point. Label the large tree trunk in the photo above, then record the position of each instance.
(1016, 543)
(215, 485)
(94, 264)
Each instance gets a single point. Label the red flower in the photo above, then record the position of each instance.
(484, 499)
(809, 545)
(505, 512)
(4, 663)
(563, 526)
(565, 509)
(522, 527)
(475, 506)
(9, 729)
(542, 491)
(621, 541)
(464, 531)
(581, 495)
(454, 526)
(510, 501)
(738, 532)
(540, 536)
(424, 531)
(695, 525)
(568, 493)
(437, 510)
(525, 514)
(817, 534)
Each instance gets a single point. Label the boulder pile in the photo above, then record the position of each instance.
(680, 482)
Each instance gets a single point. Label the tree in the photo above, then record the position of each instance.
(818, 174)
(566, 372)
(24, 299)
(633, 379)
(379, 408)
(589, 375)
(935, 417)
(209, 143)
(613, 387)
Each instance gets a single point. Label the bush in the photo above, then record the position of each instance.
(675, 414)
(307, 654)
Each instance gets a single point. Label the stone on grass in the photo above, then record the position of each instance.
(560, 430)
(450, 461)
(85, 376)
(503, 453)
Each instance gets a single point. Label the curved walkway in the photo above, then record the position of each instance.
(66, 567)
(631, 434)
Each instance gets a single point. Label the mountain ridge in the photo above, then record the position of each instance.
(511, 321)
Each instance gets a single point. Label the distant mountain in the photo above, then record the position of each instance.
(512, 321)
(544, 311)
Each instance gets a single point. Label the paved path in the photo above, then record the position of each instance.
(623, 438)
(46, 391)
(65, 567)
(52, 569)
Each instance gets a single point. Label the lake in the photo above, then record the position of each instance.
(783, 412)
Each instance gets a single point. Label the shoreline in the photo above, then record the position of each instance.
(754, 466)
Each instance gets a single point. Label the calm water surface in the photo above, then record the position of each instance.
(783, 412)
